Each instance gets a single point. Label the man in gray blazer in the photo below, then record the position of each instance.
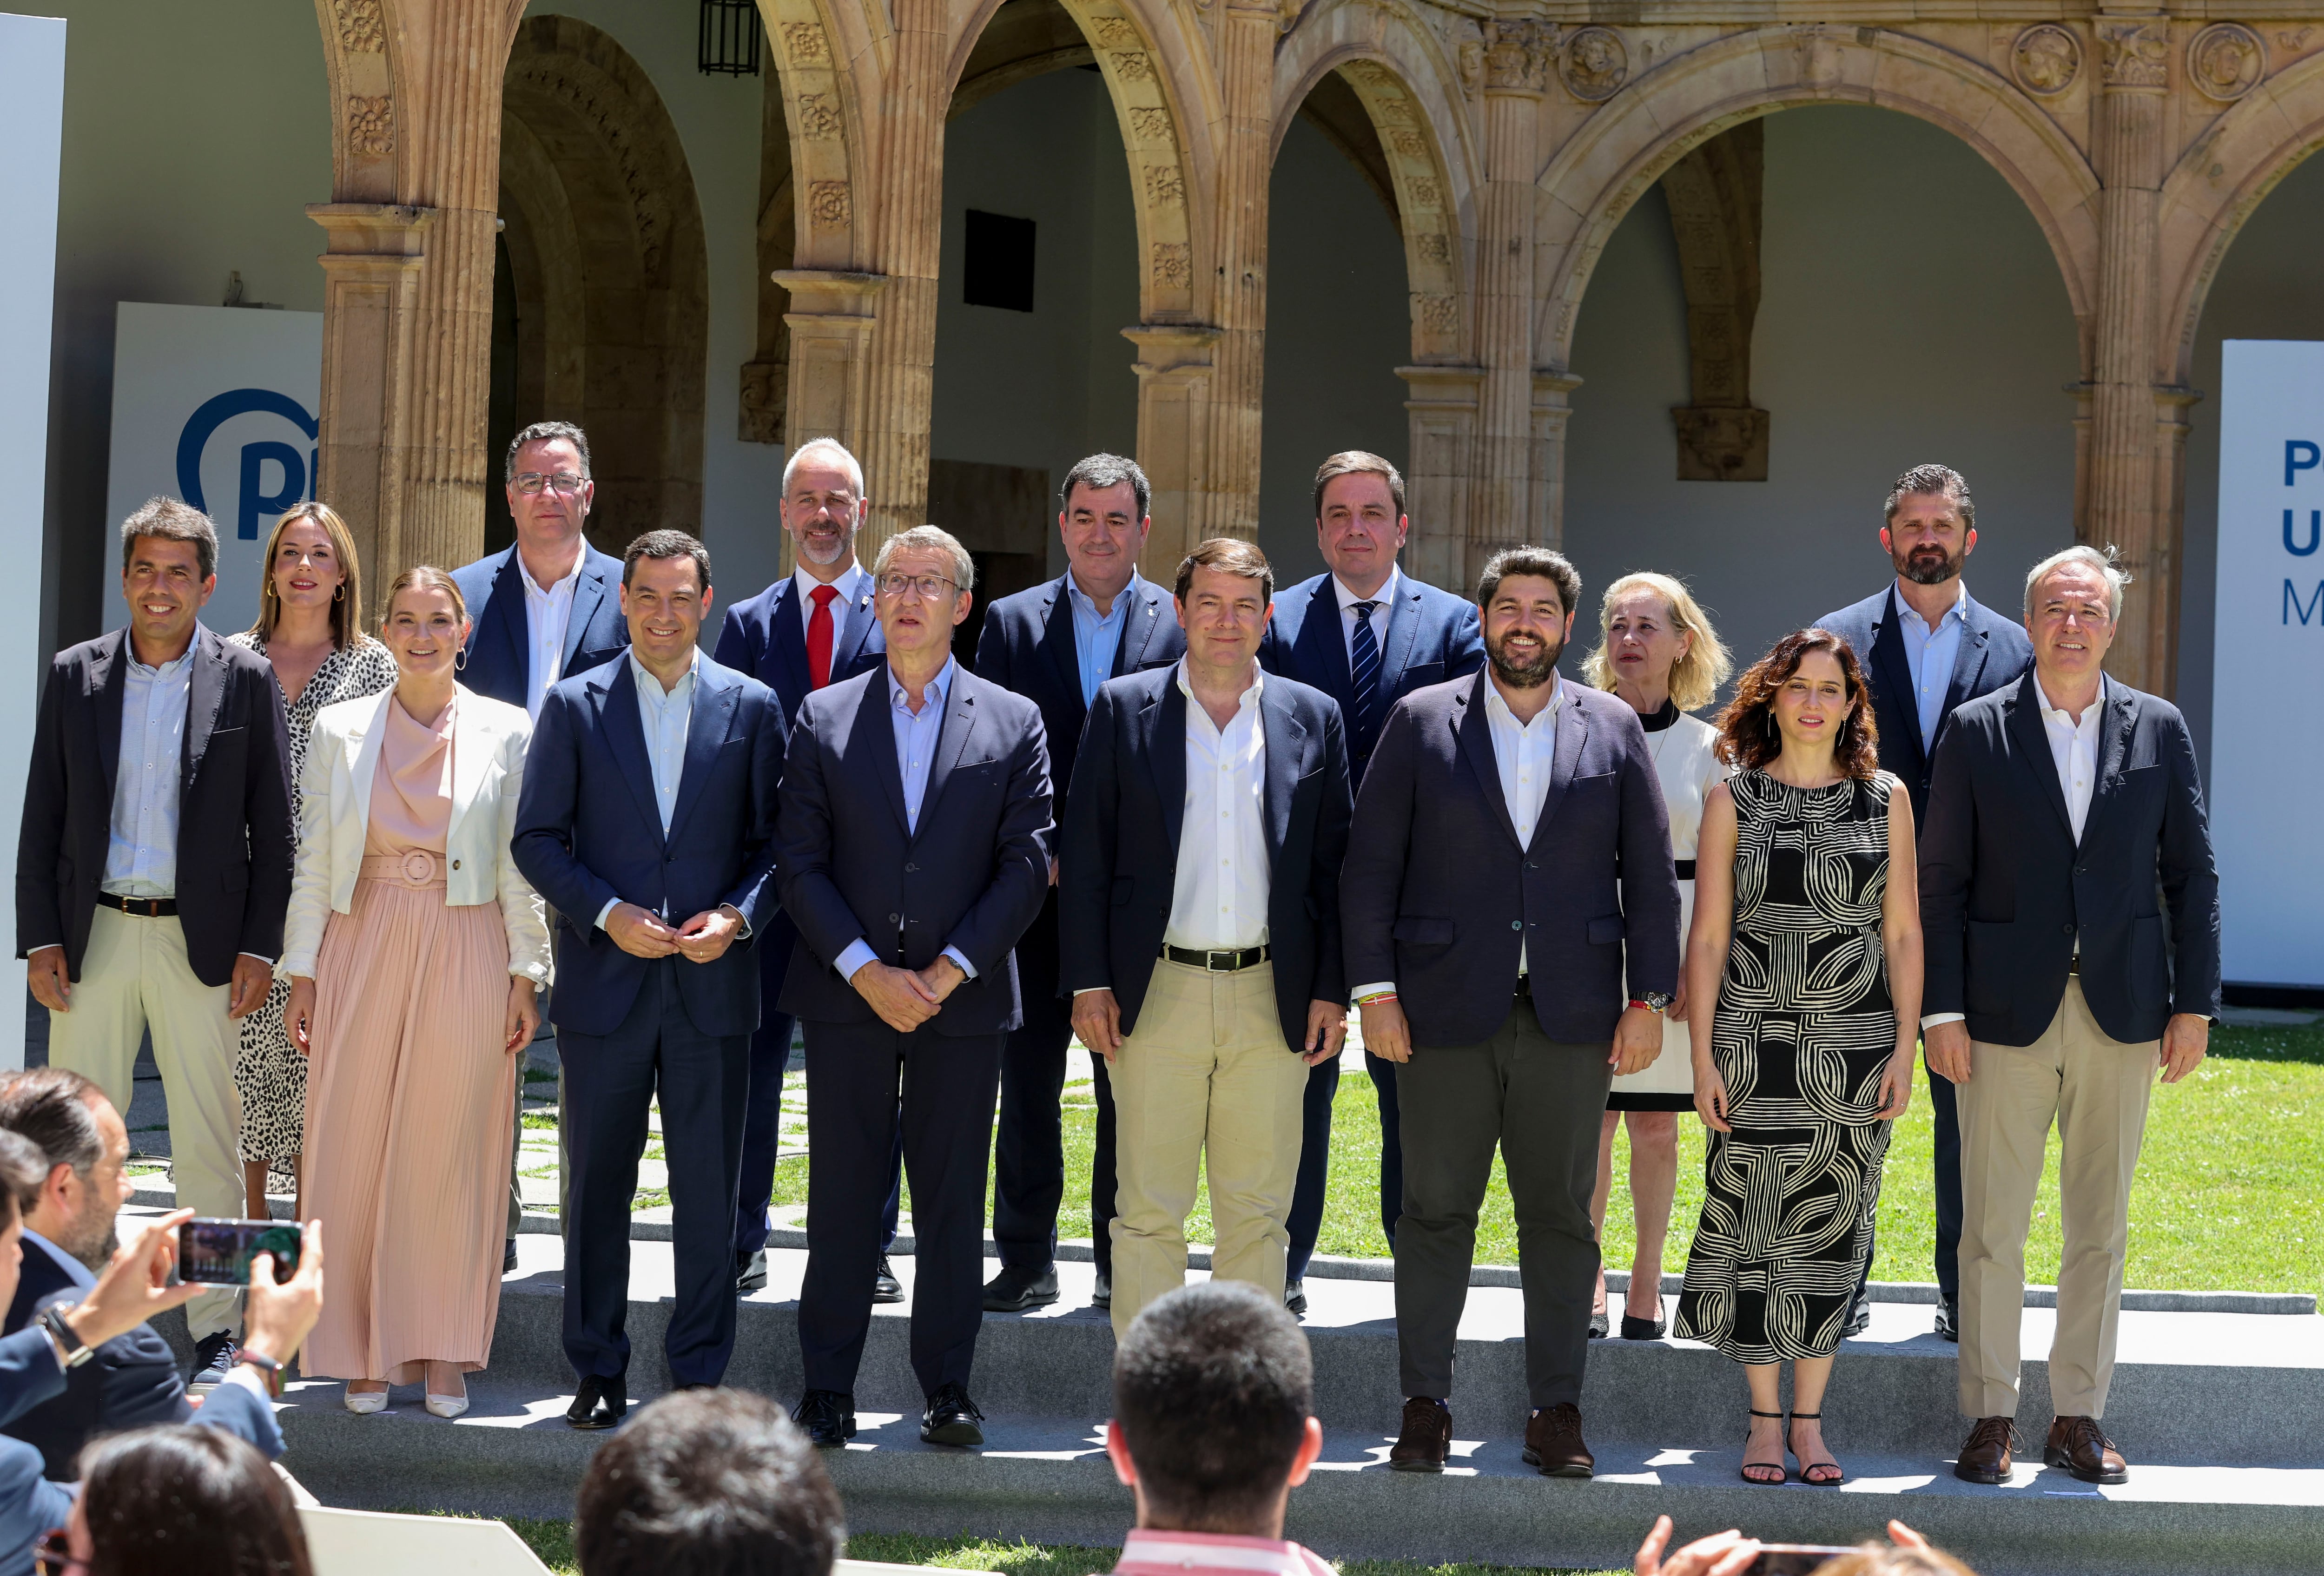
(1508, 830)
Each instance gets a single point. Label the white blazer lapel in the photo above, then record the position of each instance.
(363, 748)
(473, 742)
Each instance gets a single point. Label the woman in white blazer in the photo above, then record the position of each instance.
(415, 949)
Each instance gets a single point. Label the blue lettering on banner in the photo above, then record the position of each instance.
(2315, 608)
(2293, 462)
(2315, 533)
(297, 472)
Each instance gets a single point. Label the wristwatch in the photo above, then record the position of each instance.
(270, 1372)
(1652, 1000)
(69, 1344)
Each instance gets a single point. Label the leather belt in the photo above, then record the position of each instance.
(1685, 869)
(141, 907)
(1218, 962)
(416, 868)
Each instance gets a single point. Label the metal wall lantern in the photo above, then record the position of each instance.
(730, 37)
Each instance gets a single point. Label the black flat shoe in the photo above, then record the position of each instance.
(885, 1286)
(1643, 1329)
(600, 1402)
(1102, 1297)
(1014, 1290)
(827, 1418)
(1599, 1327)
(750, 1272)
(952, 1418)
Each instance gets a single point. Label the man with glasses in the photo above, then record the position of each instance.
(809, 629)
(912, 850)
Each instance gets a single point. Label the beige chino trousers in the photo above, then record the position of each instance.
(1205, 1083)
(135, 975)
(2097, 1090)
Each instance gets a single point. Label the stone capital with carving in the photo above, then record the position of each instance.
(1515, 55)
(2131, 51)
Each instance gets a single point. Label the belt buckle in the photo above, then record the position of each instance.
(1219, 961)
(419, 867)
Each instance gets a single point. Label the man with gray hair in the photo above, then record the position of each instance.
(912, 850)
(2070, 910)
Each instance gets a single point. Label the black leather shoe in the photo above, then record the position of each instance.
(1599, 1327)
(1644, 1329)
(827, 1418)
(1102, 1297)
(750, 1272)
(1295, 1298)
(508, 1257)
(214, 1356)
(1014, 1290)
(1948, 1321)
(600, 1402)
(885, 1286)
(952, 1418)
(1860, 1317)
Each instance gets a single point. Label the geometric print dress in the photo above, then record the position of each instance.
(1802, 1031)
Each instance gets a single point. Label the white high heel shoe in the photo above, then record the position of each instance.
(447, 1405)
(363, 1403)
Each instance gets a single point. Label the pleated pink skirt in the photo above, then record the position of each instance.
(410, 1108)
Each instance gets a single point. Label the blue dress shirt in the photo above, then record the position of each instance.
(664, 715)
(917, 733)
(1097, 637)
(1930, 653)
(140, 860)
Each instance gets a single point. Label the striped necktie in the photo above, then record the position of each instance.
(1364, 725)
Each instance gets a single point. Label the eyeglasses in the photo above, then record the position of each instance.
(930, 586)
(531, 482)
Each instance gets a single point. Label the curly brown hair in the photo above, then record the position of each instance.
(1747, 734)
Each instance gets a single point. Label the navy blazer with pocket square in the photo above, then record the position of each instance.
(1117, 870)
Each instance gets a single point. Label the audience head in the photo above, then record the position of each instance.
(1526, 597)
(1102, 514)
(1893, 1560)
(708, 1483)
(823, 505)
(2073, 604)
(424, 622)
(1225, 593)
(80, 1145)
(926, 581)
(1655, 636)
(1360, 520)
(175, 1500)
(310, 561)
(1808, 692)
(665, 596)
(21, 1175)
(1212, 1392)
(1931, 524)
(169, 567)
(546, 478)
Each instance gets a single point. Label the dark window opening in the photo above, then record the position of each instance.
(997, 263)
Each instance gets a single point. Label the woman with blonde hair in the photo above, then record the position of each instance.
(415, 949)
(309, 628)
(1659, 653)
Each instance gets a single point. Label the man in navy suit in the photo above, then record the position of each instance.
(810, 628)
(1054, 644)
(1927, 647)
(1367, 635)
(913, 852)
(647, 822)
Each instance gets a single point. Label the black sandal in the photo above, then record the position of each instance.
(1776, 1467)
(1808, 1473)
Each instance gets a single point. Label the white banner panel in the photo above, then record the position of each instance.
(32, 143)
(2267, 726)
(215, 405)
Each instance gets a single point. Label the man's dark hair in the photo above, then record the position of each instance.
(1511, 562)
(22, 1176)
(1942, 479)
(1212, 1390)
(48, 1108)
(173, 522)
(176, 1501)
(668, 544)
(1100, 471)
(541, 432)
(1230, 555)
(708, 1483)
(1357, 462)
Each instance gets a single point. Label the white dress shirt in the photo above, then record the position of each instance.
(853, 586)
(1218, 899)
(547, 616)
(916, 735)
(141, 857)
(1386, 598)
(1931, 653)
(664, 713)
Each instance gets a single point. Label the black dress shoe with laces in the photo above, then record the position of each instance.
(507, 1256)
(827, 1418)
(214, 1356)
(952, 1418)
(1014, 1290)
(885, 1286)
(1948, 1321)
(600, 1402)
(1101, 1298)
(1295, 1298)
(750, 1272)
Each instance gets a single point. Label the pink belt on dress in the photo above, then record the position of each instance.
(417, 869)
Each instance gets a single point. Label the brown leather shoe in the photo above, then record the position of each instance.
(1426, 1439)
(1984, 1458)
(2082, 1448)
(1553, 1442)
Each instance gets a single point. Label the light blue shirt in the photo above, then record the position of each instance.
(664, 714)
(140, 860)
(916, 752)
(1097, 638)
(1931, 653)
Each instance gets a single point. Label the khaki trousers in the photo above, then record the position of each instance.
(135, 976)
(1206, 1083)
(2096, 1090)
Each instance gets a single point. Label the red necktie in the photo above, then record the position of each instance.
(818, 636)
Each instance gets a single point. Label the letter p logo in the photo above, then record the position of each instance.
(2299, 455)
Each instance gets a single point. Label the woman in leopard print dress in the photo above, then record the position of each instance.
(311, 629)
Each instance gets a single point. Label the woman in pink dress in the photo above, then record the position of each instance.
(414, 949)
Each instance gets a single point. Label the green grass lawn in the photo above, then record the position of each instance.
(2224, 1198)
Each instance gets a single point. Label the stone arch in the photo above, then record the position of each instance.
(1590, 181)
(606, 248)
(826, 122)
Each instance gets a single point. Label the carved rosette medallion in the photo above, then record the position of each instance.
(1173, 264)
(1152, 126)
(1132, 66)
(2132, 54)
(828, 205)
(363, 31)
(1596, 64)
(818, 117)
(804, 43)
(2046, 59)
(371, 127)
(1165, 184)
(2226, 61)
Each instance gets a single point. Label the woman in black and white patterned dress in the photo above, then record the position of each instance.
(1807, 944)
(311, 629)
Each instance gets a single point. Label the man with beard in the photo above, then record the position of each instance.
(1927, 648)
(1509, 830)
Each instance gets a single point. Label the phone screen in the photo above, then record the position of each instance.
(219, 1252)
(1793, 1559)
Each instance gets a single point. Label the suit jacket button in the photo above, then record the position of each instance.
(1516, 925)
(2066, 929)
(895, 919)
(911, 869)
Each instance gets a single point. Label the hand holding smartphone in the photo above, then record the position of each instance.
(215, 1252)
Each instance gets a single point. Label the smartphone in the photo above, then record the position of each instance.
(1793, 1559)
(219, 1252)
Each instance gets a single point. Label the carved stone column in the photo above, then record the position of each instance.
(1550, 412)
(1714, 197)
(1246, 37)
(827, 390)
(1506, 508)
(371, 295)
(1176, 368)
(1438, 481)
(2127, 464)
